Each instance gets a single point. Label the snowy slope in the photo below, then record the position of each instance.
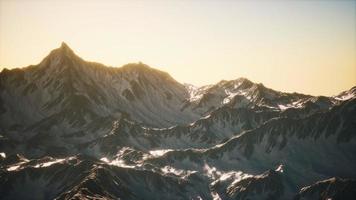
(73, 129)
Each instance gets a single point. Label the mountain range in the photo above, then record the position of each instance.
(73, 129)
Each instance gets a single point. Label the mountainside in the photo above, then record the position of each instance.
(73, 129)
(63, 86)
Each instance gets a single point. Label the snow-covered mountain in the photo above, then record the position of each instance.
(66, 88)
(73, 129)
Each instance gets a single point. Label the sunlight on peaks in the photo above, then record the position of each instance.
(299, 46)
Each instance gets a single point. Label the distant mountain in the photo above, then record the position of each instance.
(72, 129)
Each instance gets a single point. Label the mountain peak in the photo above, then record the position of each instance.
(64, 48)
(64, 52)
(60, 57)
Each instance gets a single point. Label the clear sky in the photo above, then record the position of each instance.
(306, 46)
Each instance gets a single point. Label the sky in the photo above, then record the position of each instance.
(306, 46)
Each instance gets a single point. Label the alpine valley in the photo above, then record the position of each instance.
(72, 129)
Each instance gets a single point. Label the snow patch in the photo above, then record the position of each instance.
(3, 155)
(215, 196)
(296, 104)
(17, 165)
(178, 172)
(345, 97)
(193, 92)
(196, 93)
(116, 162)
(205, 117)
(161, 152)
(14, 167)
(47, 164)
(283, 107)
(280, 168)
(230, 96)
(211, 172)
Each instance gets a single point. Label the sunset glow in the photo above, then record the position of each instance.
(294, 46)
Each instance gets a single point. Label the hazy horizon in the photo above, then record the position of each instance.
(292, 46)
